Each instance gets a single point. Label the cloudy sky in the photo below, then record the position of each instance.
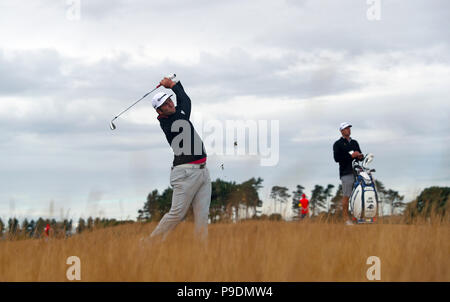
(308, 64)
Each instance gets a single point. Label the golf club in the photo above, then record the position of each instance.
(111, 124)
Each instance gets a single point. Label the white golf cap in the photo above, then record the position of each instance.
(344, 125)
(159, 99)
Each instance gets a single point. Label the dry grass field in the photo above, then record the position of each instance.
(245, 251)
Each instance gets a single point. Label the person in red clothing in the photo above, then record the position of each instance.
(47, 230)
(303, 204)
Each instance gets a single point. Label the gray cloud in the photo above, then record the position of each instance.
(342, 25)
(234, 73)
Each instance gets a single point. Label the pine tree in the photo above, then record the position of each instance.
(280, 195)
(249, 195)
(90, 223)
(336, 202)
(317, 200)
(395, 200)
(220, 200)
(67, 226)
(25, 225)
(81, 225)
(13, 226)
(327, 194)
(148, 212)
(2, 227)
(39, 228)
(97, 223)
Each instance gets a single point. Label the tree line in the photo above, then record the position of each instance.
(33, 228)
(231, 201)
(36, 228)
(323, 200)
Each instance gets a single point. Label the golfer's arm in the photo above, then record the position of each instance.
(183, 101)
(358, 148)
(340, 155)
(335, 153)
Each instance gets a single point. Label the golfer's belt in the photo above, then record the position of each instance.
(194, 166)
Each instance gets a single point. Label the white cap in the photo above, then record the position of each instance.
(159, 99)
(344, 125)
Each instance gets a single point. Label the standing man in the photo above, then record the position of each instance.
(189, 176)
(345, 150)
(47, 230)
(303, 204)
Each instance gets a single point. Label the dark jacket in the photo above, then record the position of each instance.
(184, 129)
(342, 156)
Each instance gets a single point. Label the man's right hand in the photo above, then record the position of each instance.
(356, 154)
(167, 83)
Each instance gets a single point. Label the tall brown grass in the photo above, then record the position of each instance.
(311, 250)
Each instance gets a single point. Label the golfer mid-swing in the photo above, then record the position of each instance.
(189, 176)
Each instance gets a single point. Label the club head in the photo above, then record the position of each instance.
(367, 159)
(112, 126)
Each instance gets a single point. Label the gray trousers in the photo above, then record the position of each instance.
(190, 185)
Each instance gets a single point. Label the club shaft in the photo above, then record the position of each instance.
(172, 76)
(137, 101)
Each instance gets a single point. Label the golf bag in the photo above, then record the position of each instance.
(364, 198)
